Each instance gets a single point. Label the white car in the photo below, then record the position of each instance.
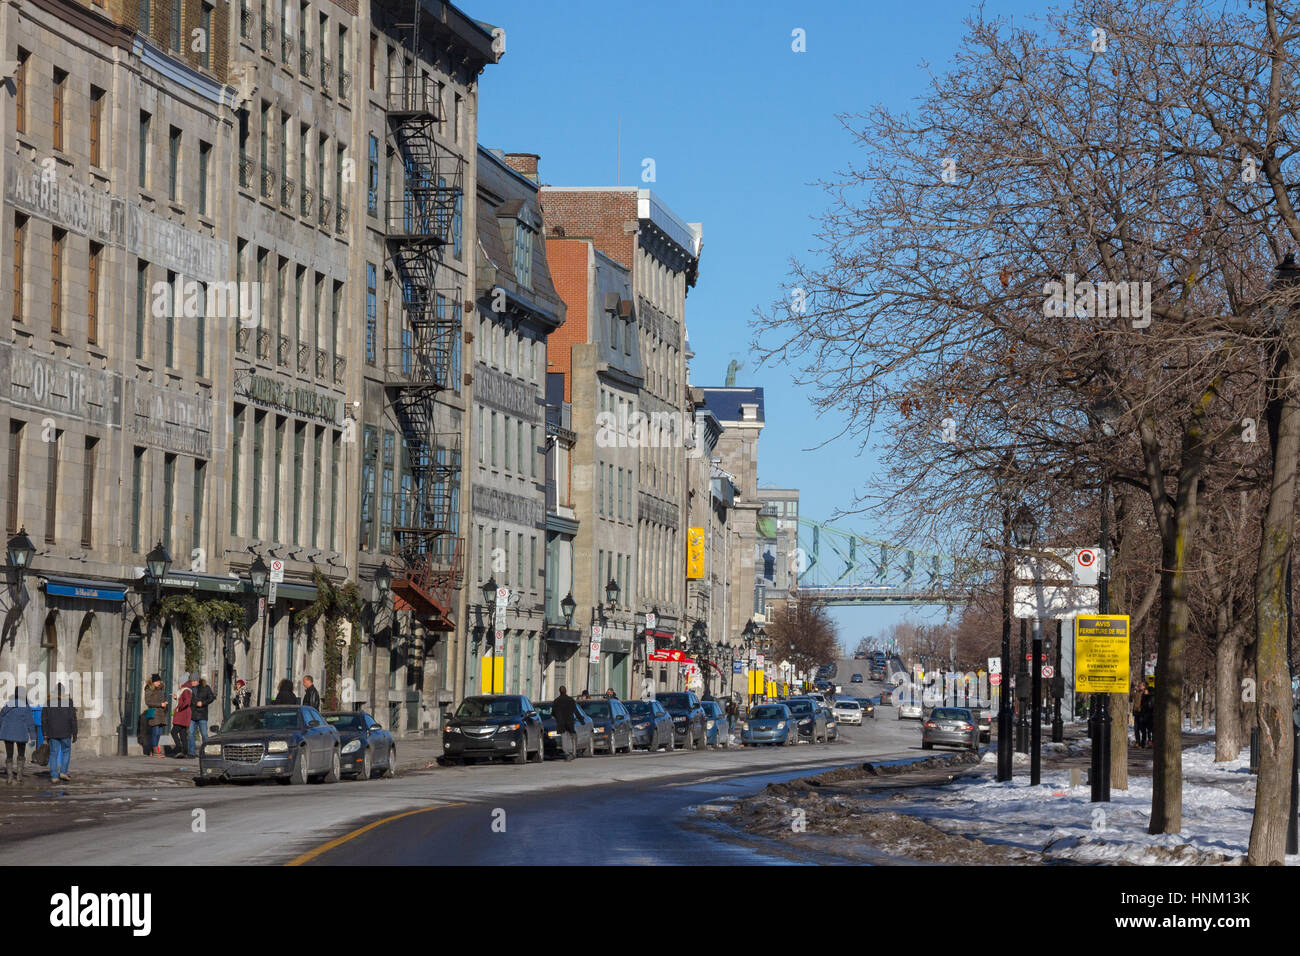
(847, 712)
(912, 709)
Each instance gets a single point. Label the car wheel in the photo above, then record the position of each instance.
(391, 767)
(365, 766)
(332, 775)
(298, 775)
(926, 745)
(521, 757)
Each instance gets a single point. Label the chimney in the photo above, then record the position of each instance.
(523, 163)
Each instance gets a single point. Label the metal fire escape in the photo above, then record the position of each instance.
(417, 228)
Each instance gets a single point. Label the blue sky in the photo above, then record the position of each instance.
(740, 127)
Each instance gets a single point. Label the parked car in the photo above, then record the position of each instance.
(983, 715)
(583, 726)
(810, 718)
(886, 697)
(832, 725)
(717, 733)
(855, 679)
(911, 708)
(289, 744)
(493, 725)
(868, 705)
(611, 724)
(770, 725)
(367, 747)
(848, 711)
(950, 727)
(688, 717)
(652, 726)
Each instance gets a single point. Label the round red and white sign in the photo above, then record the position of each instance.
(1048, 671)
(995, 679)
(1086, 557)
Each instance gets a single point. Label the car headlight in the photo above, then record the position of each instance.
(645, 726)
(552, 733)
(507, 728)
(805, 722)
(277, 747)
(601, 730)
(451, 730)
(352, 746)
(709, 725)
(212, 750)
(781, 725)
(744, 726)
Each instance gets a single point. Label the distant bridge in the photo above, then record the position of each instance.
(844, 568)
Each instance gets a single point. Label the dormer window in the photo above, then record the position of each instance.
(523, 254)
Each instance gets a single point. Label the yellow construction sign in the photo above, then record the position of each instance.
(1101, 649)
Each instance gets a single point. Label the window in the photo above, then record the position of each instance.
(532, 454)
(334, 487)
(336, 318)
(52, 485)
(205, 22)
(277, 475)
(299, 451)
(372, 192)
(15, 473)
(60, 92)
(532, 562)
(88, 492)
(523, 255)
(519, 457)
(236, 464)
(137, 498)
(141, 306)
(507, 442)
(169, 492)
(20, 257)
(600, 488)
(386, 497)
(201, 334)
(318, 448)
(200, 468)
(58, 246)
(173, 164)
(144, 149)
(369, 453)
(371, 314)
(174, 37)
(494, 439)
(259, 426)
(374, 43)
(173, 290)
(205, 163)
(20, 92)
(93, 272)
(481, 449)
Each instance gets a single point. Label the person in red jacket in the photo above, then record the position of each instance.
(181, 717)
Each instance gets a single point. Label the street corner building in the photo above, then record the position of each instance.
(239, 263)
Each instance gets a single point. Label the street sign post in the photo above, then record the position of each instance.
(596, 632)
(277, 571)
(995, 665)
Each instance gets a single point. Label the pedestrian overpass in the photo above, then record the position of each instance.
(843, 568)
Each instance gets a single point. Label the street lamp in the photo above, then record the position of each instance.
(259, 574)
(611, 593)
(489, 591)
(383, 580)
(567, 607)
(20, 552)
(157, 563)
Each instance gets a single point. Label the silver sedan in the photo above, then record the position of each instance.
(950, 727)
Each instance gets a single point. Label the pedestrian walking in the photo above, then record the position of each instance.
(284, 693)
(202, 696)
(61, 731)
(565, 710)
(181, 718)
(17, 729)
(1147, 709)
(310, 695)
(156, 707)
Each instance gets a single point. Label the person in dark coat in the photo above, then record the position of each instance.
(284, 693)
(60, 721)
(17, 727)
(565, 710)
(310, 695)
(202, 697)
(156, 702)
(1147, 710)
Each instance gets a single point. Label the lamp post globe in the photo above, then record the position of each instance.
(567, 607)
(257, 573)
(489, 591)
(611, 593)
(383, 580)
(20, 551)
(158, 562)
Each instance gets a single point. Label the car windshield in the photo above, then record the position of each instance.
(596, 708)
(767, 712)
(799, 706)
(675, 701)
(950, 713)
(262, 720)
(640, 708)
(544, 709)
(346, 721)
(848, 704)
(489, 707)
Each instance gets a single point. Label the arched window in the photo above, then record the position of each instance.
(133, 692)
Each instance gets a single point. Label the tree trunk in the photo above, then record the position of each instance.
(1272, 669)
(1120, 706)
(1228, 737)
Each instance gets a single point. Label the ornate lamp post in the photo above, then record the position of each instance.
(489, 592)
(258, 575)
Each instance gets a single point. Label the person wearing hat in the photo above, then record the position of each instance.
(156, 704)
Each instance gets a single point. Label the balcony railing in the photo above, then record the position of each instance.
(326, 74)
(247, 170)
(264, 344)
(287, 189)
(287, 48)
(268, 182)
(325, 217)
(268, 37)
(307, 201)
(340, 367)
(242, 337)
(306, 60)
(341, 220)
(282, 356)
(304, 357)
(345, 84)
(247, 24)
(322, 362)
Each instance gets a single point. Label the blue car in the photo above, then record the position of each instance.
(770, 724)
(715, 724)
(367, 747)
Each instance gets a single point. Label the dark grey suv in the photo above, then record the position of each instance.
(689, 728)
(291, 744)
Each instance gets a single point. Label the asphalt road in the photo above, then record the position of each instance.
(620, 809)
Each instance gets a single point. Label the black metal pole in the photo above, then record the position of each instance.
(261, 664)
(1004, 696)
(1036, 718)
(1058, 688)
(1022, 684)
(1101, 704)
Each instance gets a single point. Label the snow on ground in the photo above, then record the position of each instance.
(1218, 801)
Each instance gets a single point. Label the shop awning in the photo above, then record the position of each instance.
(85, 588)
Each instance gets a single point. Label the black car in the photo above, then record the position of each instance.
(291, 744)
(688, 719)
(810, 716)
(493, 725)
(652, 727)
(367, 747)
(611, 724)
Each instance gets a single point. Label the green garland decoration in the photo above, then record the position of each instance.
(191, 616)
(333, 606)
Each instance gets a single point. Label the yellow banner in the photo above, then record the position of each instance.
(492, 680)
(1101, 649)
(695, 554)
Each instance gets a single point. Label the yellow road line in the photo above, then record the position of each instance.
(339, 841)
